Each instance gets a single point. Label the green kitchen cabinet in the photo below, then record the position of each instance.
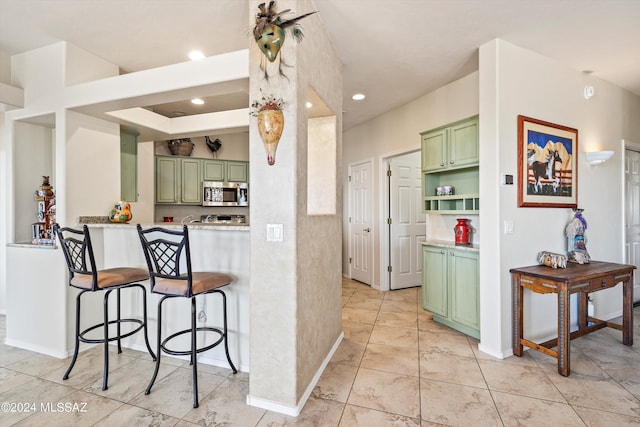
(191, 181)
(167, 179)
(128, 166)
(451, 147)
(451, 286)
(237, 171)
(213, 170)
(450, 157)
(178, 180)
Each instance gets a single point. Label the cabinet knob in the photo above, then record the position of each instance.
(451, 161)
(441, 163)
(452, 254)
(441, 252)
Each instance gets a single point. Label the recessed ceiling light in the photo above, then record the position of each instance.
(309, 105)
(358, 97)
(197, 101)
(195, 55)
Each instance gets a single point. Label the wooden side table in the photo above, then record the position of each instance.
(576, 278)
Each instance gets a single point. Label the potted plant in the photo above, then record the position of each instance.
(181, 146)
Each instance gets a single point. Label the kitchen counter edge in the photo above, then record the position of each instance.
(173, 226)
(451, 245)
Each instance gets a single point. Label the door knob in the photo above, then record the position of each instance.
(367, 229)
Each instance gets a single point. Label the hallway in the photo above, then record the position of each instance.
(395, 367)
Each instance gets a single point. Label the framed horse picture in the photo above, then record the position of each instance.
(547, 164)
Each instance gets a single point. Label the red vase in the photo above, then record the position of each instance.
(463, 232)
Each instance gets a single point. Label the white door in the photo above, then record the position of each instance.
(632, 215)
(407, 227)
(361, 222)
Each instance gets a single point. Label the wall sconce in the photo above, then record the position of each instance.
(597, 157)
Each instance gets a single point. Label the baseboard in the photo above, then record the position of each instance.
(59, 354)
(294, 411)
(499, 355)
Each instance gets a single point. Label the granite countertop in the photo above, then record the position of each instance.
(103, 222)
(451, 245)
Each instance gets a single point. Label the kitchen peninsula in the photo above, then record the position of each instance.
(223, 248)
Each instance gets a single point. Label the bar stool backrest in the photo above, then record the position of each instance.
(163, 249)
(76, 247)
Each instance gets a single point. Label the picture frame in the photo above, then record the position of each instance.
(547, 164)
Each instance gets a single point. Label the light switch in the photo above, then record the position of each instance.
(275, 232)
(508, 226)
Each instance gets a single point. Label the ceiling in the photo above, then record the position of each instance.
(393, 51)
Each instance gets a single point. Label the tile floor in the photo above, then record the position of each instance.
(395, 367)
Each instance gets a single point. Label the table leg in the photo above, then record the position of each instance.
(564, 335)
(627, 311)
(582, 310)
(517, 304)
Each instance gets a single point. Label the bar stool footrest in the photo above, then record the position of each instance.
(82, 334)
(219, 331)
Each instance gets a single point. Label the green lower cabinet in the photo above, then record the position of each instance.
(450, 287)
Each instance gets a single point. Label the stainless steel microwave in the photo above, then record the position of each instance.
(218, 193)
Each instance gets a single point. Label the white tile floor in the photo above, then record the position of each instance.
(395, 367)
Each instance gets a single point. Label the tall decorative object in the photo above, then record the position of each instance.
(576, 238)
(463, 232)
(268, 111)
(269, 32)
(41, 231)
(121, 212)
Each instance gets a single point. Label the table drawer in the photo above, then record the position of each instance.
(606, 282)
(538, 285)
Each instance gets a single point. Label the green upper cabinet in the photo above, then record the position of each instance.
(167, 179)
(128, 166)
(434, 150)
(191, 181)
(454, 146)
(463, 144)
(179, 179)
(450, 157)
(213, 170)
(237, 171)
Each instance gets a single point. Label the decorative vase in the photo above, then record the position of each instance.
(462, 231)
(270, 125)
(121, 212)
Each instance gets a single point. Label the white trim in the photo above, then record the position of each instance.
(294, 411)
(37, 348)
(502, 355)
(383, 230)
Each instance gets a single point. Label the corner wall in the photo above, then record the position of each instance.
(516, 81)
(296, 283)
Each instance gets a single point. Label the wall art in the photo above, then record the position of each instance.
(547, 164)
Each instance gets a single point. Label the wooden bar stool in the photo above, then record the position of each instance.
(164, 250)
(83, 274)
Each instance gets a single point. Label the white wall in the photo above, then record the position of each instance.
(399, 130)
(516, 81)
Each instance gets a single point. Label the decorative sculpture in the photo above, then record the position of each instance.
(269, 32)
(576, 238)
(270, 123)
(121, 212)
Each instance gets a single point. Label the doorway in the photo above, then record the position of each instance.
(406, 221)
(632, 211)
(361, 222)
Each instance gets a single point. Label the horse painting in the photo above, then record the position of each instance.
(546, 170)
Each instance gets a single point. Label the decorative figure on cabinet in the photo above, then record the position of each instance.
(269, 32)
(576, 238)
(213, 146)
(41, 231)
(463, 232)
(121, 212)
(270, 123)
